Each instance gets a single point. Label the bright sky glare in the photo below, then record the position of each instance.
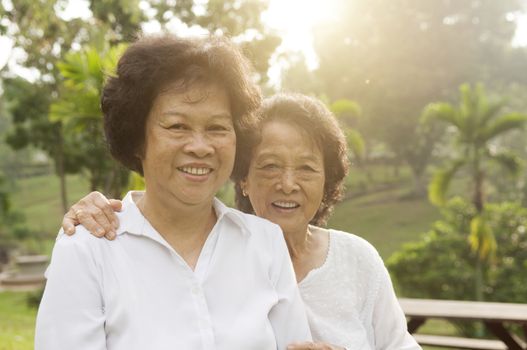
(293, 20)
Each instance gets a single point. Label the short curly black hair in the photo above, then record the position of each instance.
(312, 116)
(153, 62)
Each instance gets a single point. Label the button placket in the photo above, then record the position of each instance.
(204, 320)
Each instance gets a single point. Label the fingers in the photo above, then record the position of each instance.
(303, 346)
(312, 346)
(96, 213)
(116, 204)
(87, 217)
(69, 221)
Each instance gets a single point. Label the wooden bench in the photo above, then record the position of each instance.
(459, 343)
(494, 316)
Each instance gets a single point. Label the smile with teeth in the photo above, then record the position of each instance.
(286, 204)
(195, 171)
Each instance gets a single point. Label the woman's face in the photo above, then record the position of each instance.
(190, 144)
(285, 183)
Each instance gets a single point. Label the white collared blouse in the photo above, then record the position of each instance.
(138, 293)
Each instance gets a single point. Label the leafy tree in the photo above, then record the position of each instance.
(37, 29)
(349, 112)
(78, 110)
(240, 20)
(418, 153)
(477, 121)
(395, 56)
(45, 37)
(4, 210)
(442, 266)
(28, 104)
(11, 222)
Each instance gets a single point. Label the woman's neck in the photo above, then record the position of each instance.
(299, 243)
(185, 227)
(308, 249)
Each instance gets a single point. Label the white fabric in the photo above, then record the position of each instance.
(350, 301)
(138, 293)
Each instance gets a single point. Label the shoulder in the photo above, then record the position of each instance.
(252, 224)
(81, 237)
(82, 241)
(353, 244)
(355, 252)
(74, 255)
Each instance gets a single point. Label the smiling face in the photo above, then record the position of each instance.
(285, 183)
(190, 144)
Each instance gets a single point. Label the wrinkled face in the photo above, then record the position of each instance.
(285, 183)
(190, 144)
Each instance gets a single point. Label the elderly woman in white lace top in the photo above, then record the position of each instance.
(291, 173)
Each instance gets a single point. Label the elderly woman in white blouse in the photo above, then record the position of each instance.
(291, 172)
(185, 271)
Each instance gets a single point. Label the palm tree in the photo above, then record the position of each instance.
(84, 73)
(477, 122)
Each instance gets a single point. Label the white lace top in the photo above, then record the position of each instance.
(350, 301)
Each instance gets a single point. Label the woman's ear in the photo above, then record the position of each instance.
(243, 186)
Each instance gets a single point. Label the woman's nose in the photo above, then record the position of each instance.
(288, 182)
(199, 145)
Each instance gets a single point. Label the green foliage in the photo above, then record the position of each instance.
(135, 183)
(438, 187)
(418, 151)
(507, 160)
(11, 222)
(5, 203)
(477, 121)
(394, 57)
(77, 108)
(28, 103)
(355, 143)
(481, 238)
(348, 113)
(442, 265)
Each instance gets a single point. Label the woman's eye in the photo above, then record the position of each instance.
(218, 128)
(307, 168)
(269, 166)
(178, 126)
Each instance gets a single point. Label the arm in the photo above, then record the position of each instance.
(389, 322)
(288, 317)
(71, 315)
(96, 213)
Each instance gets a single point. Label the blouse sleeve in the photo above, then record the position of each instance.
(389, 322)
(288, 317)
(71, 313)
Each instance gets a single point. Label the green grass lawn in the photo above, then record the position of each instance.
(17, 322)
(38, 198)
(384, 219)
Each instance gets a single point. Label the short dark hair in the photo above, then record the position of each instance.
(312, 116)
(153, 62)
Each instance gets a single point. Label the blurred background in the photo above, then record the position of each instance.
(432, 95)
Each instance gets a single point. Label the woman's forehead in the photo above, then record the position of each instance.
(285, 137)
(185, 99)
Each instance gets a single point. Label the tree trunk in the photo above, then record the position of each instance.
(478, 191)
(478, 289)
(418, 177)
(61, 171)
